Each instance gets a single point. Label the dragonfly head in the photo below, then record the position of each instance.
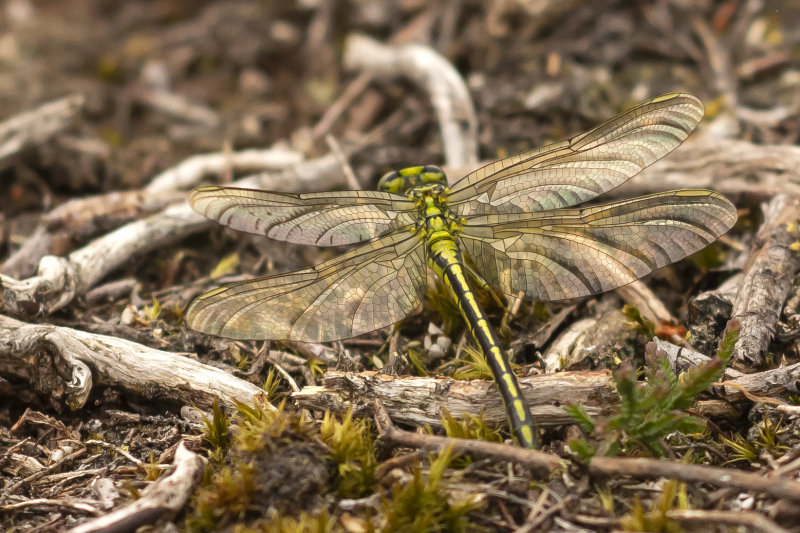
(403, 180)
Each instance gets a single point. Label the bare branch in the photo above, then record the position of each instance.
(38, 125)
(80, 359)
(417, 401)
(437, 77)
(768, 277)
(166, 495)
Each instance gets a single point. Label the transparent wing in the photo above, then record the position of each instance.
(322, 219)
(578, 169)
(368, 288)
(568, 253)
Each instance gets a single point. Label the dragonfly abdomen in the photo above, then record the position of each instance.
(445, 259)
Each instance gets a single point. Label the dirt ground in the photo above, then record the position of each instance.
(114, 415)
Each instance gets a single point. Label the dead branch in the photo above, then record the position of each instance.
(435, 75)
(768, 277)
(608, 467)
(60, 279)
(769, 383)
(84, 218)
(177, 106)
(166, 495)
(416, 401)
(65, 362)
(193, 170)
(749, 519)
(542, 463)
(644, 468)
(38, 125)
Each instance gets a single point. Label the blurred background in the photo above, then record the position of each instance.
(166, 79)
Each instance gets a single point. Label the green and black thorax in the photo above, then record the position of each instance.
(437, 226)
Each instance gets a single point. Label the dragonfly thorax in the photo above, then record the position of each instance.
(404, 180)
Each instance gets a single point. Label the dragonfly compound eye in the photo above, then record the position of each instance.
(391, 182)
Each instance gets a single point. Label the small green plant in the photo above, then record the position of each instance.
(768, 432)
(273, 460)
(649, 412)
(740, 448)
(316, 366)
(303, 523)
(265, 431)
(656, 520)
(415, 358)
(225, 497)
(423, 505)
(469, 427)
(271, 385)
(353, 450)
(473, 366)
(152, 470)
(636, 321)
(152, 312)
(226, 265)
(217, 432)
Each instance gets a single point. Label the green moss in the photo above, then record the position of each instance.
(353, 450)
(470, 427)
(271, 385)
(656, 518)
(217, 432)
(274, 461)
(636, 321)
(422, 504)
(472, 366)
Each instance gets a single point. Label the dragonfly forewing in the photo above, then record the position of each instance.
(321, 219)
(576, 170)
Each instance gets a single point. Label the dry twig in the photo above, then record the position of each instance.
(437, 77)
(60, 280)
(768, 278)
(80, 359)
(418, 401)
(38, 125)
(167, 495)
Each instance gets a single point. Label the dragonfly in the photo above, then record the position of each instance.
(510, 225)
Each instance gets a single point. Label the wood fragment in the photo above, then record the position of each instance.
(590, 342)
(768, 277)
(38, 125)
(166, 495)
(416, 401)
(60, 279)
(68, 362)
(437, 77)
